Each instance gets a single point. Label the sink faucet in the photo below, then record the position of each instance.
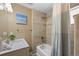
(5, 34)
(4, 37)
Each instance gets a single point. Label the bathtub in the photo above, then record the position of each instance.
(43, 50)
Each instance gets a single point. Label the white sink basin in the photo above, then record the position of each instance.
(4, 46)
(13, 46)
(18, 44)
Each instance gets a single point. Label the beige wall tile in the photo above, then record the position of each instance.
(48, 29)
(39, 28)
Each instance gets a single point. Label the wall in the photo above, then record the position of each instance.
(41, 25)
(8, 22)
(73, 5)
(76, 35)
(39, 28)
(72, 40)
(3, 21)
(48, 29)
(24, 31)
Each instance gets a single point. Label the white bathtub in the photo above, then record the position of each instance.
(43, 50)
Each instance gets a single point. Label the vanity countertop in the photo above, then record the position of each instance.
(16, 45)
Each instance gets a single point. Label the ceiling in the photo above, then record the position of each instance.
(42, 7)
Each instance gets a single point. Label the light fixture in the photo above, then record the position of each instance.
(6, 7)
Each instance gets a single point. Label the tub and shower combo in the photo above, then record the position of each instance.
(43, 50)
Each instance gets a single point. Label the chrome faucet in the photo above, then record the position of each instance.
(42, 39)
(4, 36)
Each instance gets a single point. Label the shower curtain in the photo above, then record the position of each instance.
(60, 30)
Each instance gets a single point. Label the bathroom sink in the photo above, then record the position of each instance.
(4, 47)
(13, 46)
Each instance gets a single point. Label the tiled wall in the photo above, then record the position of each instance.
(24, 31)
(39, 28)
(8, 22)
(48, 29)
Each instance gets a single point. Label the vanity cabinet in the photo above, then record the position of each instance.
(20, 52)
(19, 47)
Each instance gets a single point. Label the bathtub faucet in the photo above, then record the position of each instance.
(42, 39)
